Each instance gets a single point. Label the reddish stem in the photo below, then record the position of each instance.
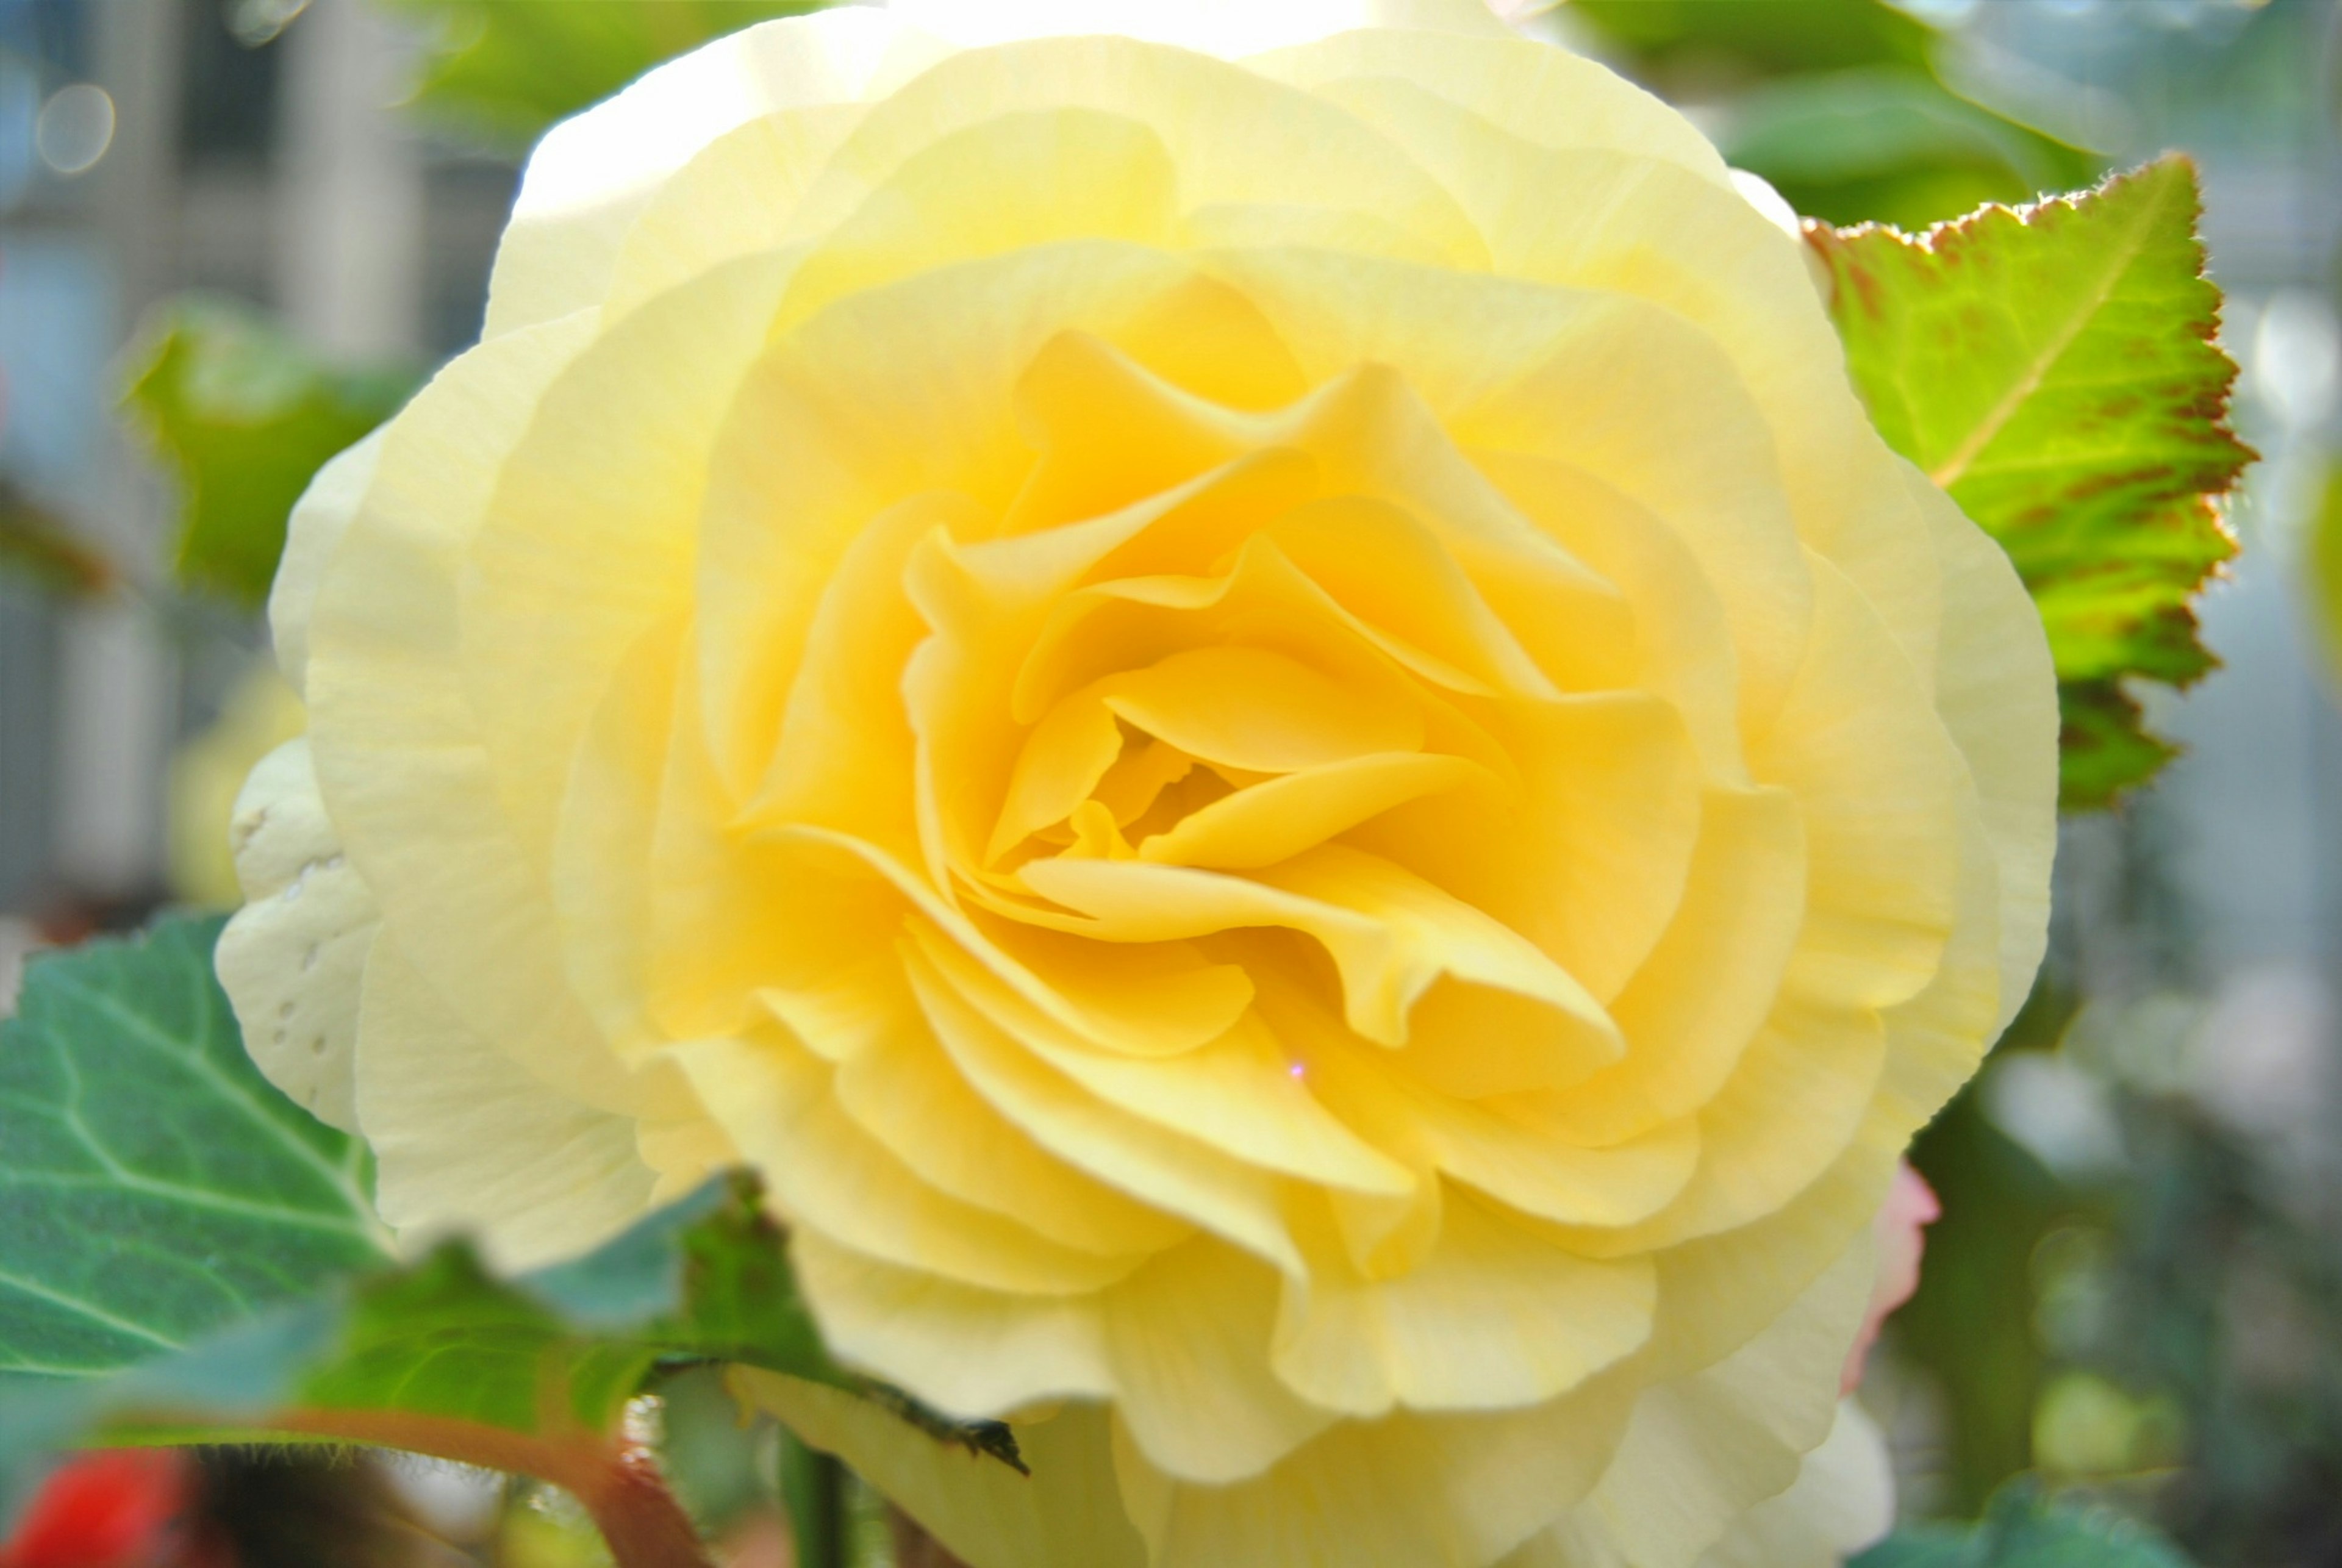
(618, 1485)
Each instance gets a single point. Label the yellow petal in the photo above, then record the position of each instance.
(1280, 818)
(1162, 1168)
(1236, 1094)
(1260, 711)
(1692, 1009)
(773, 1098)
(1493, 1319)
(967, 1349)
(1185, 1337)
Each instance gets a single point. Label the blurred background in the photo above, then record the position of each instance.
(234, 234)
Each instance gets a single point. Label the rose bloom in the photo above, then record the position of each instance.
(1248, 704)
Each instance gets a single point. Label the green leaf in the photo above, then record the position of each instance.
(2055, 369)
(1889, 144)
(186, 1256)
(246, 416)
(2022, 1529)
(154, 1187)
(439, 1356)
(1765, 36)
(507, 69)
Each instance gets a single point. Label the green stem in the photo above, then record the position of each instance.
(813, 1485)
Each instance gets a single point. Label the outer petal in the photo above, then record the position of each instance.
(1702, 1451)
(292, 958)
(401, 763)
(465, 1139)
(1843, 1501)
(1997, 692)
(1229, 28)
(311, 535)
(592, 175)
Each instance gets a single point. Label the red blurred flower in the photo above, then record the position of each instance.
(113, 1509)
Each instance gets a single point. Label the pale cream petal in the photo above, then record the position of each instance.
(1229, 28)
(1843, 1501)
(464, 1140)
(593, 175)
(733, 198)
(292, 959)
(312, 534)
(1065, 1515)
(1996, 690)
(1857, 740)
(1233, 136)
(1700, 1451)
(400, 761)
(1399, 1493)
(1546, 96)
(611, 466)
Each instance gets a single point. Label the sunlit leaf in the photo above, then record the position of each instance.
(2056, 369)
(1760, 34)
(245, 416)
(2326, 562)
(507, 69)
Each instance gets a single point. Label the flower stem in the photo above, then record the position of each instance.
(618, 1485)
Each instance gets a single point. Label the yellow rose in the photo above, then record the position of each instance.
(1252, 709)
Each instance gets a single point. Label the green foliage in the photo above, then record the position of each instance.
(1836, 104)
(154, 1187)
(2022, 1529)
(2056, 370)
(812, 1489)
(185, 1256)
(246, 416)
(506, 69)
(1889, 144)
(1760, 36)
(1971, 1322)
